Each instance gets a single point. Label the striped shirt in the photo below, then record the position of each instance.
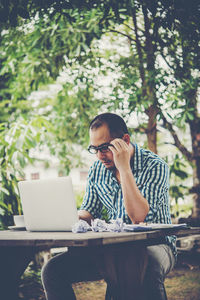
(151, 174)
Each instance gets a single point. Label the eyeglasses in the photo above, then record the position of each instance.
(102, 148)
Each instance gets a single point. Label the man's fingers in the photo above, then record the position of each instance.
(119, 144)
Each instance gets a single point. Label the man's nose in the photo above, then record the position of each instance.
(100, 154)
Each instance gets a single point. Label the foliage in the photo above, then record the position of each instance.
(178, 191)
(179, 210)
(79, 198)
(31, 285)
(40, 49)
(158, 76)
(11, 12)
(15, 145)
(74, 110)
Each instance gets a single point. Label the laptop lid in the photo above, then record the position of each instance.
(48, 204)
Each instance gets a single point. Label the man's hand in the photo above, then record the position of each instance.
(121, 154)
(85, 215)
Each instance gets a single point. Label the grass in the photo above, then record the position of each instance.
(181, 284)
(184, 285)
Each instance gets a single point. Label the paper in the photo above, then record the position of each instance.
(115, 225)
(80, 226)
(152, 226)
(98, 225)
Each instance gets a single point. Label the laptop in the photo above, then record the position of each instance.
(48, 204)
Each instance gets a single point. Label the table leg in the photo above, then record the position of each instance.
(13, 262)
(124, 270)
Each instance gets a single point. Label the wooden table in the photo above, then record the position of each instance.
(17, 249)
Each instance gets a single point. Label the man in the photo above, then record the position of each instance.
(132, 183)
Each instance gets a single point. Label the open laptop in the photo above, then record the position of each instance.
(48, 204)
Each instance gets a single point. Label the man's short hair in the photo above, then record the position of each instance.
(115, 123)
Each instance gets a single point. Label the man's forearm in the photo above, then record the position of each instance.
(135, 204)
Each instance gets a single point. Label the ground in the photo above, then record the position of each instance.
(183, 283)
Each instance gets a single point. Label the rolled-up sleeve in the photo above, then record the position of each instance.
(91, 201)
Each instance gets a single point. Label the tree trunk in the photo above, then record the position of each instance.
(151, 83)
(151, 130)
(147, 73)
(195, 134)
(196, 190)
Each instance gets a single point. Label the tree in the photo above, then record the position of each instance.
(32, 60)
(173, 32)
(111, 10)
(182, 54)
(156, 29)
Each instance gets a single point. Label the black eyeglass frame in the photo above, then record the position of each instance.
(102, 148)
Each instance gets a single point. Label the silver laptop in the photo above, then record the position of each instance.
(48, 204)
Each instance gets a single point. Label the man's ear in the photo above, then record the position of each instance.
(126, 138)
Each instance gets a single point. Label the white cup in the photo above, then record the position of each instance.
(19, 220)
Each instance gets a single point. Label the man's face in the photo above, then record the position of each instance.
(99, 137)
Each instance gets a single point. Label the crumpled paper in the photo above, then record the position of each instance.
(98, 225)
(115, 225)
(80, 226)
